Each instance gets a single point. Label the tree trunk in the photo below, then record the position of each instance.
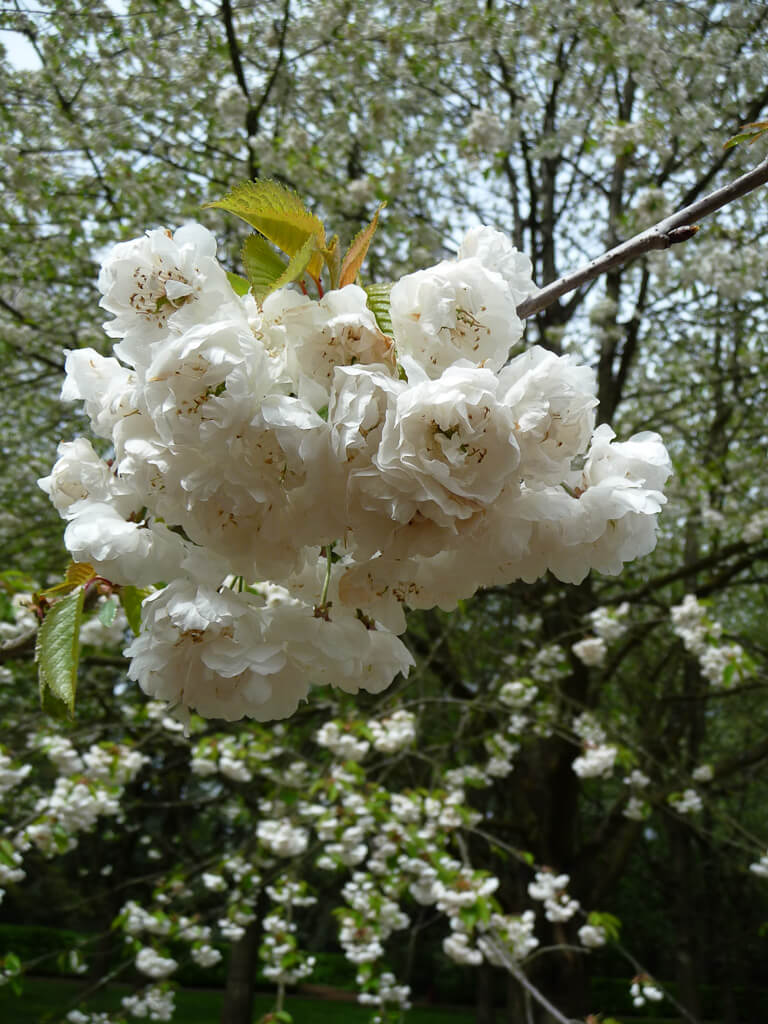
(238, 995)
(484, 1008)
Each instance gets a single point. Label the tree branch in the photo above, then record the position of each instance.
(678, 227)
(22, 646)
(511, 965)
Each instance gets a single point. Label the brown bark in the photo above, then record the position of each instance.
(238, 994)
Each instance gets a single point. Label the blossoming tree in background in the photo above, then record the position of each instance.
(551, 740)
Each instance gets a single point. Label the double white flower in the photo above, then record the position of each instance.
(247, 440)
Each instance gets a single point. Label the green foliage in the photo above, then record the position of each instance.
(748, 133)
(262, 265)
(378, 303)
(279, 215)
(58, 647)
(608, 922)
(130, 599)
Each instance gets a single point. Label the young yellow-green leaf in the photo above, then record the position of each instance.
(58, 648)
(332, 257)
(299, 265)
(79, 573)
(240, 286)
(262, 265)
(378, 303)
(279, 214)
(747, 133)
(130, 599)
(356, 253)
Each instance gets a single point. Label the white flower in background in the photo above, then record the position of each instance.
(149, 962)
(687, 802)
(513, 933)
(282, 837)
(394, 732)
(344, 745)
(485, 132)
(703, 773)
(591, 651)
(154, 1003)
(608, 624)
(760, 867)
(755, 527)
(456, 947)
(643, 989)
(592, 936)
(636, 809)
(595, 762)
(637, 779)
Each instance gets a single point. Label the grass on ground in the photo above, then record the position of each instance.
(48, 1000)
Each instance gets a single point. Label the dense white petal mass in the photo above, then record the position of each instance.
(495, 251)
(293, 441)
(158, 283)
(552, 400)
(79, 476)
(447, 449)
(208, 651)
(459, 309)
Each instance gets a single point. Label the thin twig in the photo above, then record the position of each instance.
(678, 227)
(511, 965)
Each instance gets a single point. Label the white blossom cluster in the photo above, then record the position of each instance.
(154, 1003)
(283, 963)
(608, 626)
(149, 962)
(10, 776)
(598, 757)
(636, 808)
(247, 443)
(593, 936)
(687, 802)
(643, 990)
(550, 889)
(91, 788)
(701, 636)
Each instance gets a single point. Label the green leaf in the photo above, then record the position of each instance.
(262, 265)
(299, 264)
(356, 253)
(12, 963)
(748, 133)
(131, 598)
(108, 612)
(58, 648)
(79, 573)
(378, 303)
(240, 285)
(279, 214)
(7, 851)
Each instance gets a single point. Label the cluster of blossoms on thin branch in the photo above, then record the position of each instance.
(285, 478)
